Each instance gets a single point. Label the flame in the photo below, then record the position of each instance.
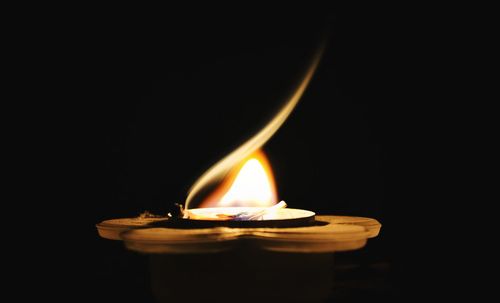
(251, 183)
(243, 157)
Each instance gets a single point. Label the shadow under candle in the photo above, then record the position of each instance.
(245, 274)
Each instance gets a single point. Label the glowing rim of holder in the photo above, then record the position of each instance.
(281, 214)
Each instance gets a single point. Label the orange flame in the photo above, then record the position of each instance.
(239, 165)
(250, 183)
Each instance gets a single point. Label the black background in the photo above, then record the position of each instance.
(154, 101)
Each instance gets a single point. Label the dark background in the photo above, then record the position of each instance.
(155, 101)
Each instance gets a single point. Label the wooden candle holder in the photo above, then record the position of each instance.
(325, 234)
